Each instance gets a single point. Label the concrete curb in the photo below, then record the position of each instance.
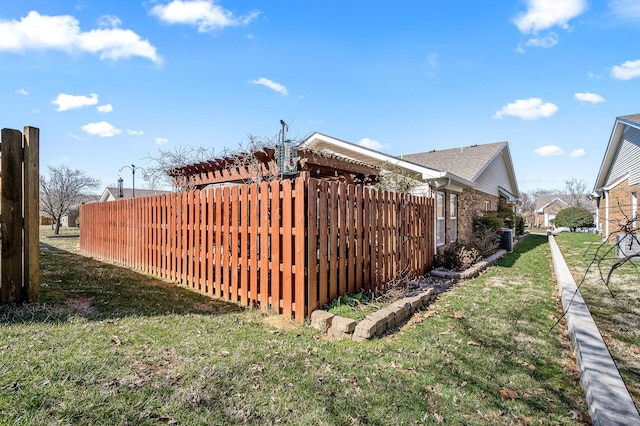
(607, 397)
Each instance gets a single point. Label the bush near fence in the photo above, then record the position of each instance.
(290, 246)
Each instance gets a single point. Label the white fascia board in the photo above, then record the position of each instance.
(321, 142)
(610, 153)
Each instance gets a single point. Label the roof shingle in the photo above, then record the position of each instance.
(466, 162)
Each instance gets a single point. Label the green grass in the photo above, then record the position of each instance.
(110, 346)
(615, 309)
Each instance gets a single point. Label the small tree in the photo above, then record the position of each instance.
(574, 217)
(64, 190)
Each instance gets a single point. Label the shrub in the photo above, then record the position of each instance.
(485, 236)
(574, 217)
(520, 225)
(458, 256)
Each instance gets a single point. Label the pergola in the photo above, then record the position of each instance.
(263, 165)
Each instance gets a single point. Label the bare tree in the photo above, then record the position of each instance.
(393, 178)
(527, 204)
(160, 165)
(63, 191)
(576, 190)
(166, 166)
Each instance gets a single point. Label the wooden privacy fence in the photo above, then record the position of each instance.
(19, 215)
(290, 246)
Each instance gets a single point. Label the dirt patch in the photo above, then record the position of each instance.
(280, 322)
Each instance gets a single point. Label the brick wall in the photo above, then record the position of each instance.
(470, 204)
(619, 206)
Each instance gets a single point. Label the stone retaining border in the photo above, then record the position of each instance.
(375, 324)
(608, 399)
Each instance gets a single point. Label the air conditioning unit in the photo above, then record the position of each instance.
(627, 244)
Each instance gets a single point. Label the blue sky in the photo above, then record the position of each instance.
(110, 82)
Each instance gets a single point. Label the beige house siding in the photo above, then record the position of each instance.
(496, 171)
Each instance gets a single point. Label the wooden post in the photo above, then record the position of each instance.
(11, 209)
(31, 214)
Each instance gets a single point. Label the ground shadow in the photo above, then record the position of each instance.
(72, 285)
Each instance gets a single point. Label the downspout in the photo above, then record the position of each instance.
(606, 213)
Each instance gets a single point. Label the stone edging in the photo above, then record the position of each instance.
(375, 324)
(608, 399)
(473, 271)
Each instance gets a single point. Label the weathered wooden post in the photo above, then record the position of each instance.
(19, 216)
(31, 214)
(11, 210)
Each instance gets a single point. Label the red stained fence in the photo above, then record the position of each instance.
(291, 246)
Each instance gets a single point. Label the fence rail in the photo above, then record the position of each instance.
(290, 246)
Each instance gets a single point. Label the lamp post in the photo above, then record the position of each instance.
(133, 174)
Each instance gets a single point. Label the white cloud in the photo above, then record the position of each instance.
(549, 151)
(205, 14)
(105, 108)
(62, 33)
(22, 92)
(589, 97)
(135, 132)
(371, 144)
(102, 129)
(162, 141)
(546, 42)
(625, 9)
(626, 71)
(271, 85)
(66, 102)
(109, 21)
(545, 14)
(578, 153)
(527, 109)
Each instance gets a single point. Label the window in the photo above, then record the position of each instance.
(487, 206)
(439, 218)
(453, 213)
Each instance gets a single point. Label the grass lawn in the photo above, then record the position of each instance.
(110, 346)
(616, 310)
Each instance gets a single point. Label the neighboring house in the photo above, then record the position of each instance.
(548, 206)
(464, 181)
(111, 193)
(618, 182)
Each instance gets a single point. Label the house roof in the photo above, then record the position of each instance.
(544, 201)
(458, 167)
(128, 193)
(467, 162)
(616, 138)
